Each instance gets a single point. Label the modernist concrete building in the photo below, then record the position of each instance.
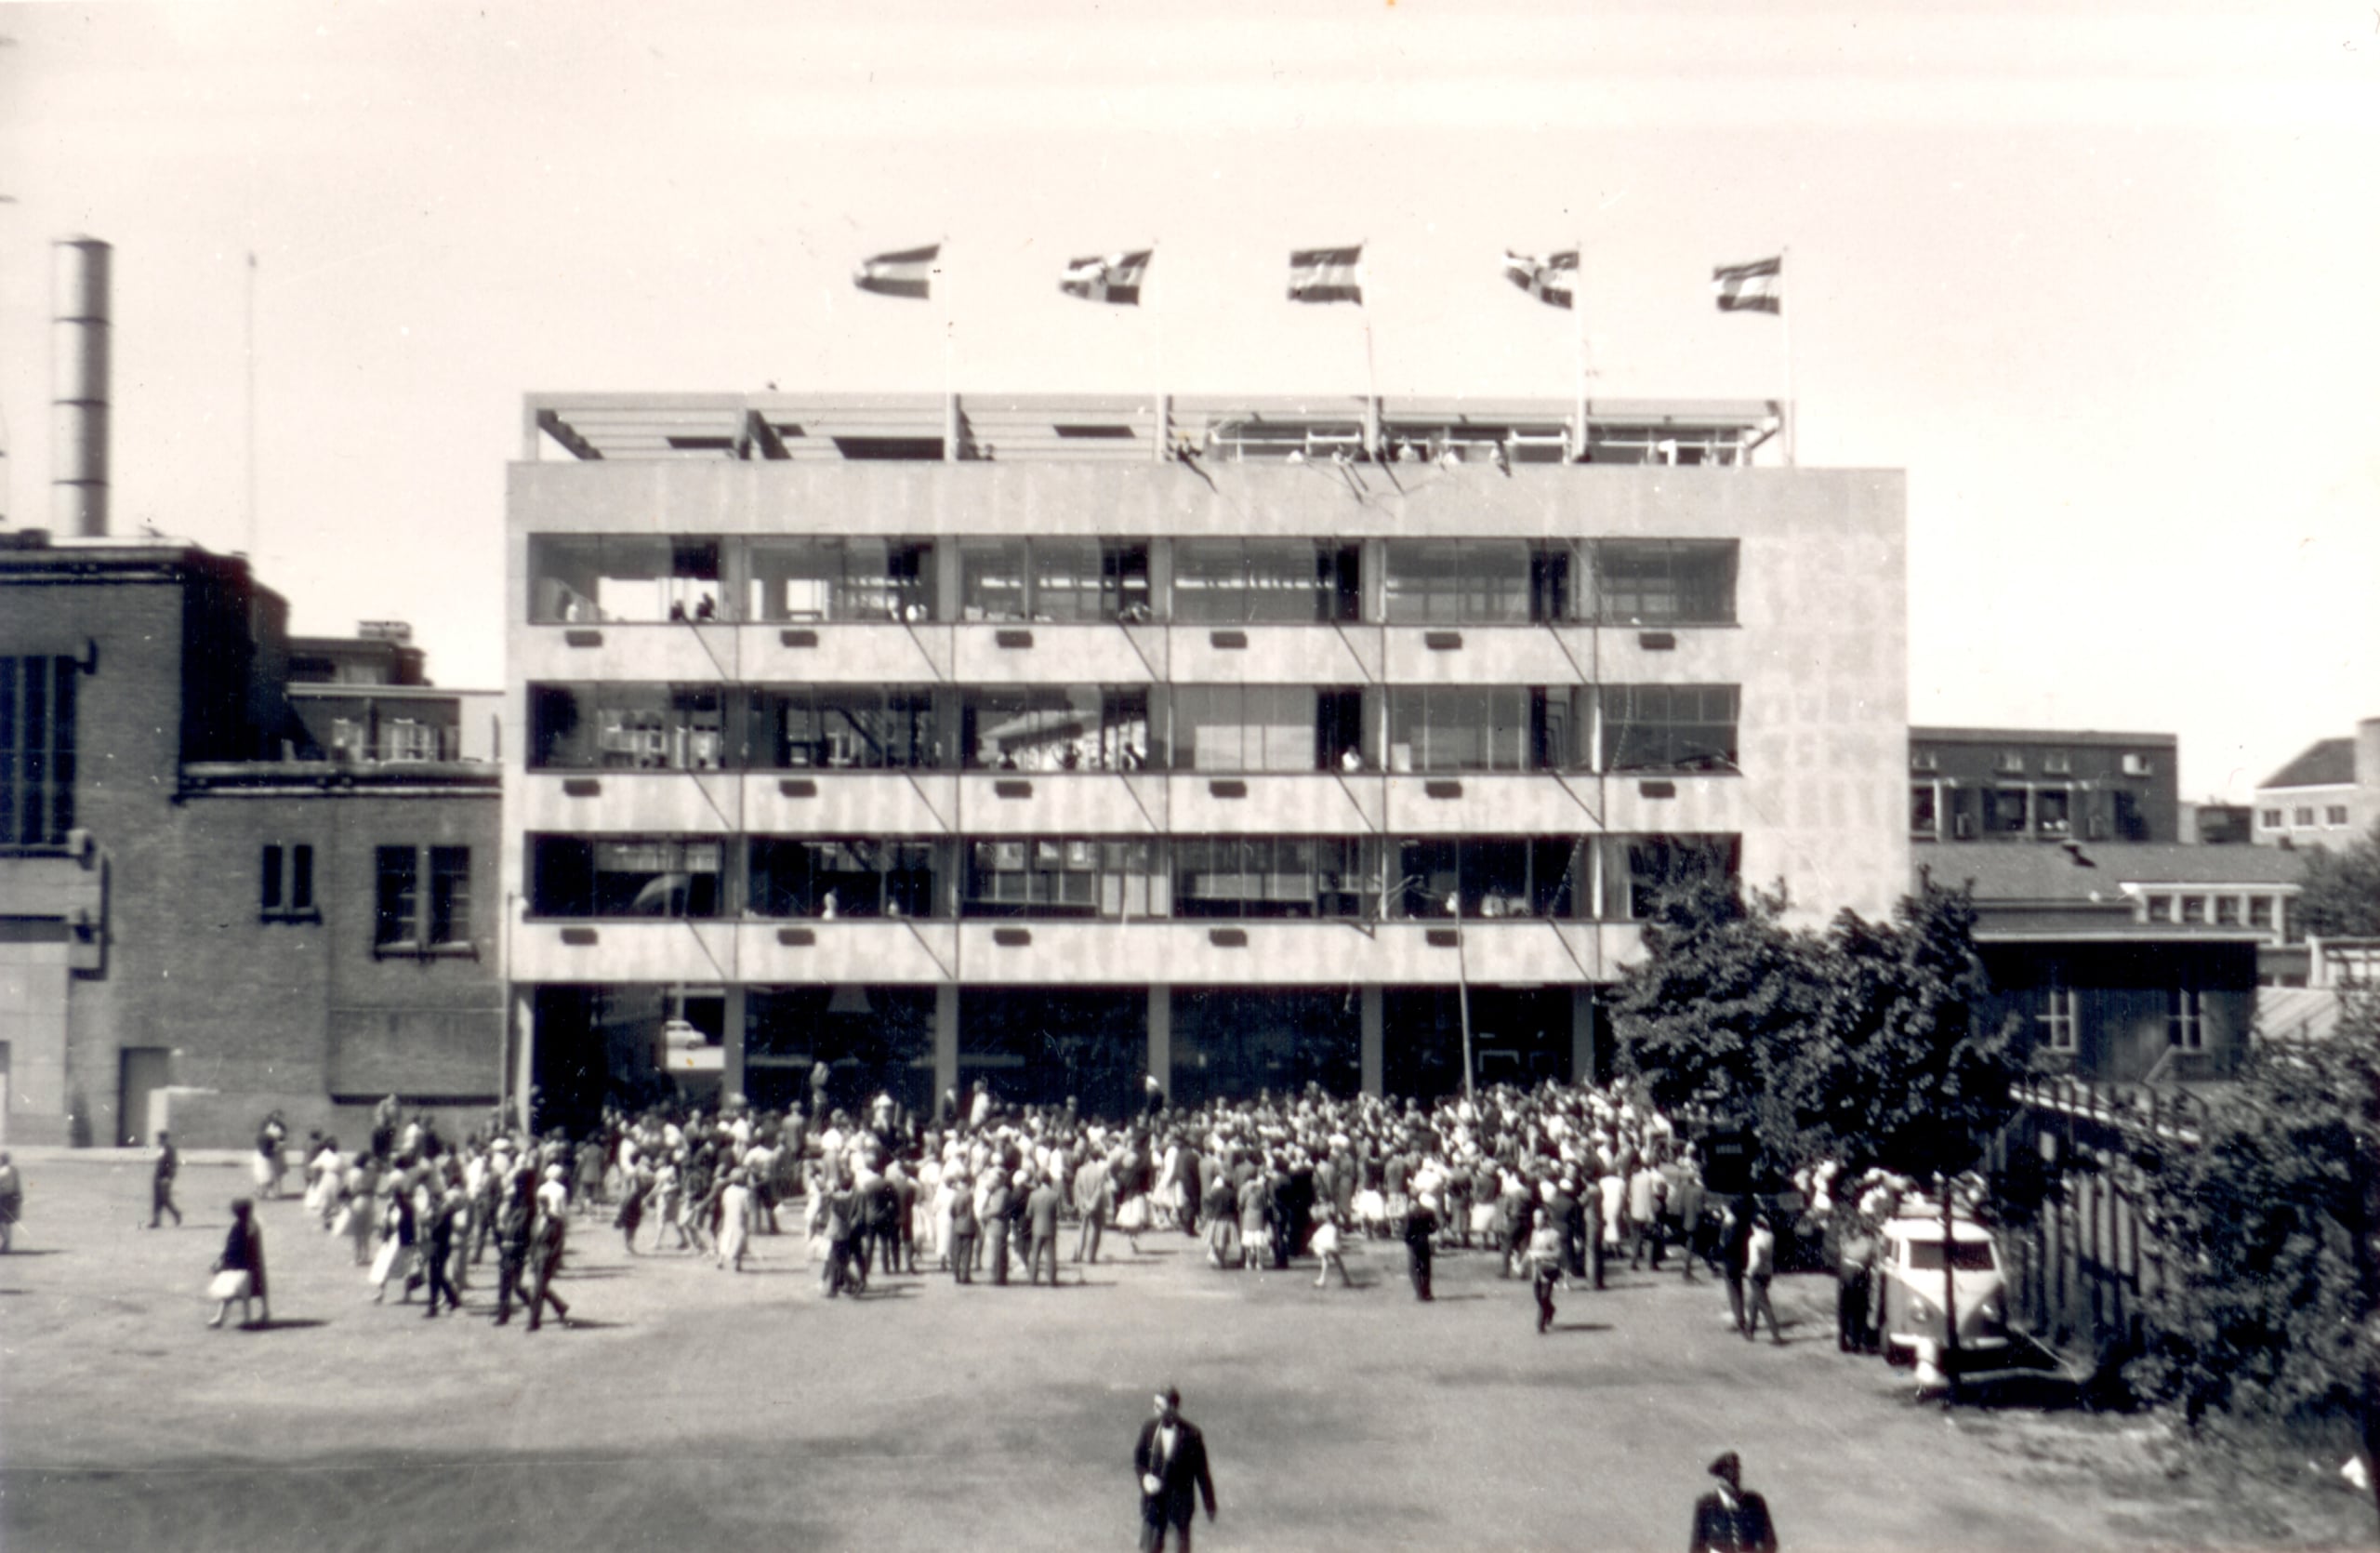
(2328, 796)
(203, 917)
(1049, 742)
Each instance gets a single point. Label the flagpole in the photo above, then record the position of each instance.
(1579, 307)
(949, 359)
(1792, 406)
(1372, 364)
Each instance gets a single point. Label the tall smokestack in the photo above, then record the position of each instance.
(78, 406)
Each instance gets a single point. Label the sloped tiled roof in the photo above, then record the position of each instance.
(2076, 871)
(2326, 763)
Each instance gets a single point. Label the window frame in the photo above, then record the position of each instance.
(424, 910)
(285, 889)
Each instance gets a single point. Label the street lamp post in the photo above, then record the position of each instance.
(1462, 988)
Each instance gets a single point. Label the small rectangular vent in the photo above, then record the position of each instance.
(1658, 789)
(1442, 640)
(797, 638)
(1226, 787)
(796, 937)
(1443, 789)
(1656, 641)
(1012, 937)
(1444, 938)
(583, 638)
(1229, 640)
(1013, 638)
(1227, 937)
(797, 787)
(1011, 790)
(578, 937)
(581, 787)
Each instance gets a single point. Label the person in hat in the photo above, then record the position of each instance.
(1170, 1461)
(1731, 1519)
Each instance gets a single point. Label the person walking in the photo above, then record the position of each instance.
(1760, 1268)
(962, 1229)
(999, 1218)
(437, 1251)
(12, 1202)
(1170, 1460)
(514, 1216)
(161, 1182)
(1544, 1259)
(1735, 1249)
(1731, 1519)
(734, 1219)
(1093, 1196)
(547, 1235)
(1041, 1221)
(239, 1272)
(1325, 1245)
(1420, 1233)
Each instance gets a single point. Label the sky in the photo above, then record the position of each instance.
(2095, 275)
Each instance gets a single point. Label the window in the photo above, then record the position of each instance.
(1490, 878)
(1055, 580)
(2193, 908)
(1664, 582)
(862, 877)
(2011, 761)
(1669, 727)
(2227, 910)
(2007, 811)
(2160, 909)
(1477, 728)
(625, 876)
(2269, 818)
(2058, 1018)
(1062, 876)
(399, 923)
(2260, 912)
(857, 727)
(591, 578)
(2138, 766)
(1057, 728)
(1924, 810)
(2058, 763)
(2186, 1019)
(1634, 871)
(1475, 582)
(1255, 727)
(1925, 759)
(406, 741)
(1264, 583)
(2302, 816)
(36, 751)
(1277, 876)
(2334, 815)
(839, 578)
(287, 888)
(2053, 811)
(626, 727)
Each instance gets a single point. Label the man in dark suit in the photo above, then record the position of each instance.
(1730, 1519)
(1170, 1459)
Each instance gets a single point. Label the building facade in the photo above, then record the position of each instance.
(2042, 784)
(202, 917)
(1048, 743)
(2328, 796)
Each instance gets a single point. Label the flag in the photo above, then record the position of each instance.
(1117, 278)
(1327, 276)
(1553, 280)
(906, 273)
(1755, 288)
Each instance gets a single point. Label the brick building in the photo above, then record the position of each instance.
(202, 916)
(2042, 784)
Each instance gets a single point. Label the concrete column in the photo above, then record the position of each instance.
(525, 1050)
(1161, 1035)
(1373, 1041)
(731, 1078)
(1583, 1033)
(945, 1040)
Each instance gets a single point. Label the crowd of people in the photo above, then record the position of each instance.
(1557, 1182)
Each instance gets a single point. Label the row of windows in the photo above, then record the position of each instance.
(36, 750)
(421, 896)
(1347, 878)
(1209, 727)
(2334, 818)
(615, 578)
(2231, 910)
(1936, 811)
(2054, 762)
(2057, 1015)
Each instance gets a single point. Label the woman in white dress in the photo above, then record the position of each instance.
(734, 1219)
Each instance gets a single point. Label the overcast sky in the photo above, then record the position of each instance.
(2098, 278)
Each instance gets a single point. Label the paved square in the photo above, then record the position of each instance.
(702, 1408)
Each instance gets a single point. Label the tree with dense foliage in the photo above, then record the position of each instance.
(1859, 1043)
(2340, 898)
(2265, 1317)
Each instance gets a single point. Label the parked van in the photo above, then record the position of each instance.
(1908, 1279)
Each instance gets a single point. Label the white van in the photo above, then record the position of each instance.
(1908, 1277)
